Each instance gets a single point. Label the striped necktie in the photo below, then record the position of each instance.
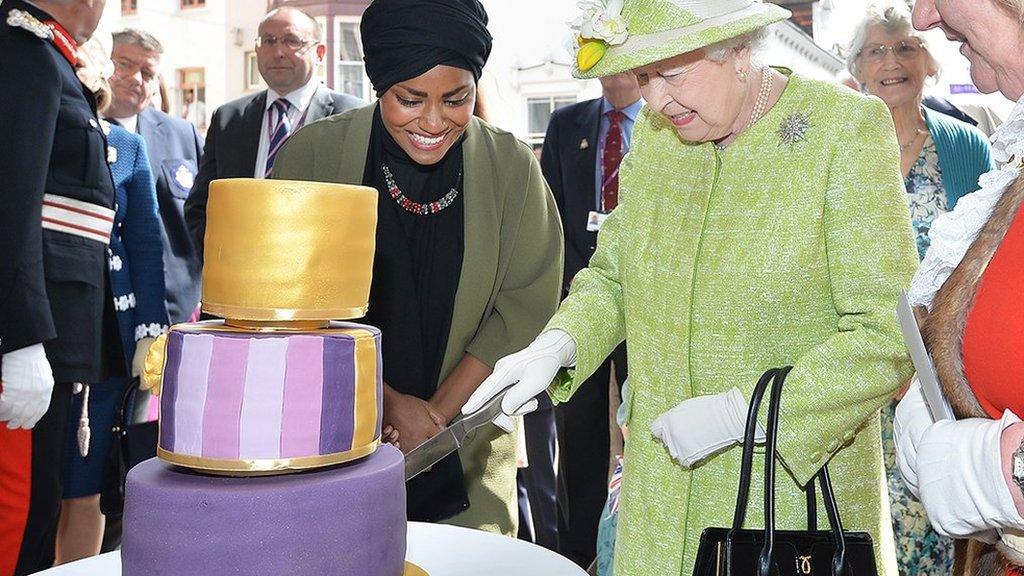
(279, 135)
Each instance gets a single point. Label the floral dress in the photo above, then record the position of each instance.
(919, 549)
(925, 194)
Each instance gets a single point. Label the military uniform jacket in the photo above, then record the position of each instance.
(53, 285)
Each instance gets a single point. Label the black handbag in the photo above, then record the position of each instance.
(133, 442)
(769, 552)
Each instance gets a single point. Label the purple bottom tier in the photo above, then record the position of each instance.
(345, 521)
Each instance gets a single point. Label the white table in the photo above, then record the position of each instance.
(439, 549)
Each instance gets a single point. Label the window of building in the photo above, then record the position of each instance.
(191, 89)
(253, 80)
(538, 113)
(129, 7)
(193, 3)
(350, 73)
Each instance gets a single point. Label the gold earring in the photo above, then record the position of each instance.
(743, 76)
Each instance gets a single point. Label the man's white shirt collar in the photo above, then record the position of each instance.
(299, 99)
(131, 123)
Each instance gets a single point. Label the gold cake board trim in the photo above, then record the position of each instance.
(264, 467)
(271, 315)
(414, 570)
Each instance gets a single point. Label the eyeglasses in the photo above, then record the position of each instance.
(127, 67)
(902, 50)
(289, 41)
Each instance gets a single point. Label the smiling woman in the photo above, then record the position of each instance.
(942, 159)
(425, 115)
(469, 247)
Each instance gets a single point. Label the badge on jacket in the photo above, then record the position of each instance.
(184, 177)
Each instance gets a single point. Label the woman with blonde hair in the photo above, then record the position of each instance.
(137, 284)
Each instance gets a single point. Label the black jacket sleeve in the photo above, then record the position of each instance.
(29, 108)
(195, 205)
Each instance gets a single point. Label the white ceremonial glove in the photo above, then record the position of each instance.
(528, 372)
(139, 358)
(909, 424)
(703, 426)
(27, 386)
(960, 475)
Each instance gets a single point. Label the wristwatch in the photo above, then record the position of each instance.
(1018, 466)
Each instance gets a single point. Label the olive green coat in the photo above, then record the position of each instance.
(511, 271)
(720, 264)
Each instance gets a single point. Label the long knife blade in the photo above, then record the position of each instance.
(421, 458)
(938, 405)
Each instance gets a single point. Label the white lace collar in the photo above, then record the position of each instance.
(953, 233)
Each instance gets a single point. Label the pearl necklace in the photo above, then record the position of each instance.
(761, 104)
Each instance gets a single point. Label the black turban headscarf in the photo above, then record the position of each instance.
(405, 38)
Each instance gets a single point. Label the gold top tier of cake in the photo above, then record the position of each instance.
(284, 252)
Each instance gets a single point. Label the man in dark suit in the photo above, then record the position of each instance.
(57, 321)
(245, 135)
(174, 149)
(582, 150)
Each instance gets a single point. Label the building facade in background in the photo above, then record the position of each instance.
(210, 51)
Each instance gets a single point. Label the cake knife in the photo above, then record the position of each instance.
(938, 405)
(422, 457)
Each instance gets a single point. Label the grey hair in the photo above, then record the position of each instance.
(754, 41)
(894, 18)
(140, 38)
(317, 34)
(1014, 6)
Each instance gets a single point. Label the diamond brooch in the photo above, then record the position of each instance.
(794, 128)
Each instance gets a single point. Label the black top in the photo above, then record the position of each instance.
(416, 272)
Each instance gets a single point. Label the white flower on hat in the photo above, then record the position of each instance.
(601, 20)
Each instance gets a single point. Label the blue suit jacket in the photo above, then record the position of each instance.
(174, 149)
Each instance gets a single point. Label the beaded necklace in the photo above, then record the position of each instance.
(416, 207)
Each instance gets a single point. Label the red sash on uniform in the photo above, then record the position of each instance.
(64, 42)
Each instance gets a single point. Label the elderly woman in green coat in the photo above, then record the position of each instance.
(468, 260)
(762, 222)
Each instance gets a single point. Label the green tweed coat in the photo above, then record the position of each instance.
(511, 272)
(788, 247)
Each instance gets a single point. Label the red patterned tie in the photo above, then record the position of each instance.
(611, 157)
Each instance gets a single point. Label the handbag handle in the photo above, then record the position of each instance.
(776, 377)
(122, 419)
(747, 460)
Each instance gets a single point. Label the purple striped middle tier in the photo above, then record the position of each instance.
(236, 401)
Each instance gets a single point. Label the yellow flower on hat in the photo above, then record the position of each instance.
(590, 53)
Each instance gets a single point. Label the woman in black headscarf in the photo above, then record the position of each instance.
(469, 245)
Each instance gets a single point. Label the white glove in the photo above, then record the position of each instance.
(909, 424)
(703, 426)
(960, 475)
(139, 358)
(529, 372)
(27, 386)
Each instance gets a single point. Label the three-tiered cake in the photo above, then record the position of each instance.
(269, 451)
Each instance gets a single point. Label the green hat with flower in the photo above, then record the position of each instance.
(614, 36)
